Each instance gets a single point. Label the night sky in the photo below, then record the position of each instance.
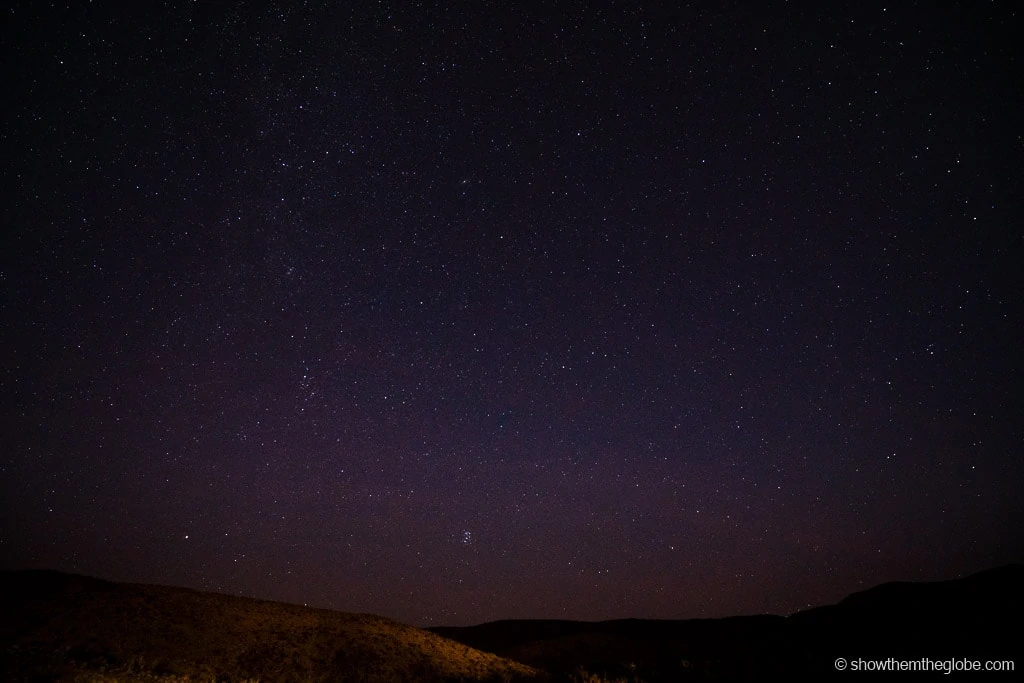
(509, 310)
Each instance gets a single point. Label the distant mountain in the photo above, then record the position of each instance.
(976, 617)
(62, 627)
(1000, 588)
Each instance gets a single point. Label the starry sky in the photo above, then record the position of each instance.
(460, 312)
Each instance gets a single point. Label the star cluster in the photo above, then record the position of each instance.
(459, 313)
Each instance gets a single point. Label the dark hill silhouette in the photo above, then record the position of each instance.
(975, 617)
(62, 627)
(57, 627)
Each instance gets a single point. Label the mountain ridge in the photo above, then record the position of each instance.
(57, 626)
(956, 617)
